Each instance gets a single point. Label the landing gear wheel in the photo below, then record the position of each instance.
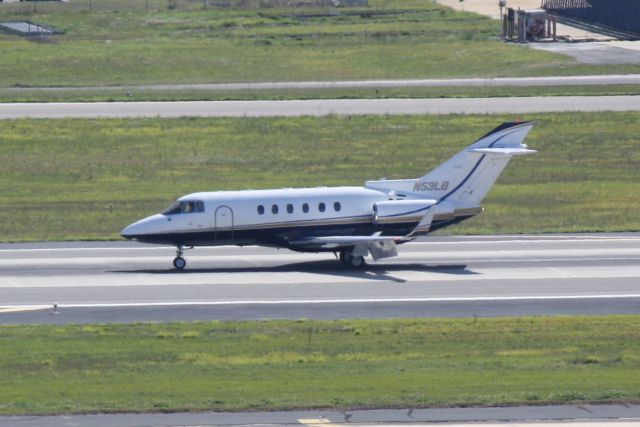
(356, 261)
(179, 263)
(351, 260)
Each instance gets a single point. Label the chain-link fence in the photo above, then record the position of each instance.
(620, 17)
(43, 6)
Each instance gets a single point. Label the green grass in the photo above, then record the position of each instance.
(390, 39)
(87, 179)
(271, 365)
(135, 93)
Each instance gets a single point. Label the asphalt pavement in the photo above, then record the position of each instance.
(579, 80)
(320, 107)
(433, 277)
(597, 53)
(524, 416)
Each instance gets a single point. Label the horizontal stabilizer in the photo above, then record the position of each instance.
(503, 151)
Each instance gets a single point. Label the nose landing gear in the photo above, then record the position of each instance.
(179, 262)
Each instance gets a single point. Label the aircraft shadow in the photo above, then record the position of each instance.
(326, 267)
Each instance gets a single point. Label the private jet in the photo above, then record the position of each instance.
(351, 222)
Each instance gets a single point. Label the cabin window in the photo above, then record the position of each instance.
(184, 207)
(260, 210)
(172, 210)
(337, 207)
(274, 209)
(289, 208)
(321, 207)
(187, 207)
(305, 207)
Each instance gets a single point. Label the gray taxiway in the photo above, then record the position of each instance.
(579, 80)
(436, 276)
(524, 416)
(320, 107)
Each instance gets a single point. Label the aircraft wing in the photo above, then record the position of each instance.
(379, 246)
(330, 242)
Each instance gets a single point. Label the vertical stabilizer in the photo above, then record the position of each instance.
(479, 165)
(469, 175)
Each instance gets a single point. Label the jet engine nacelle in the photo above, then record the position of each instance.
(390, 211)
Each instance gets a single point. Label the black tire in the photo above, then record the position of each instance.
(357, 261)
(343, 257)
(179, 263)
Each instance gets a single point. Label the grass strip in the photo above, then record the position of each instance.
(132, 93)
(275, 365)
(86, 179)
(390, 39)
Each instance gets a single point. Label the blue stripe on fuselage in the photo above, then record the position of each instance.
(472, 170)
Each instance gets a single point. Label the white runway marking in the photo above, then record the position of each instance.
(613, 423)
(20, 308)
(326, 301)
(242, 277)
(287, 257)
(462, 241)
(447, 269)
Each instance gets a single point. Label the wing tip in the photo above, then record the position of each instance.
(507, 125)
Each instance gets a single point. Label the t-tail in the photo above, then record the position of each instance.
(453, 191)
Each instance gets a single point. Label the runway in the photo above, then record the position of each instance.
(433, 277)
(320, 107)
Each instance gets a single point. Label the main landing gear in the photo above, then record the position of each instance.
(355, 261)
(178, 262)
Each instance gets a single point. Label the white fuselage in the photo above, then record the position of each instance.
(260, 216)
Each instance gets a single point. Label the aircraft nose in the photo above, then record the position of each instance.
(140, 228)
(129, 232)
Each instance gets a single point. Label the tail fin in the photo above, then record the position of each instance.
(467, 176)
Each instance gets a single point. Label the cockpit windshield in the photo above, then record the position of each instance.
(184, 207)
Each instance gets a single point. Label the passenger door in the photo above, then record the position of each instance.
(224, 223)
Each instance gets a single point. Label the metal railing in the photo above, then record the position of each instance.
(618, 17)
